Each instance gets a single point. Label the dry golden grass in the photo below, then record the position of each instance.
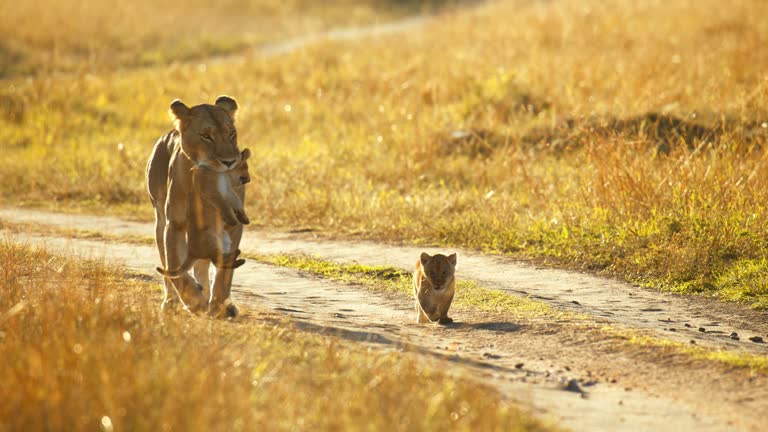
(85, 348)
(43, 36)
(616, 136)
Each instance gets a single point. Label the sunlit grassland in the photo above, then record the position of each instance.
(518, 127)
(43, 36)
(85, 347)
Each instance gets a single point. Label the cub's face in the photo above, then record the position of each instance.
(439, 269)
(208, 133)
(240, 174)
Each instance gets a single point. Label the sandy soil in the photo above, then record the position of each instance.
(565, 371)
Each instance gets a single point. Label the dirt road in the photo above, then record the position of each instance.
(557, 370)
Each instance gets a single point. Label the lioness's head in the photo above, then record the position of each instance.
(439, 269)
(208, 134)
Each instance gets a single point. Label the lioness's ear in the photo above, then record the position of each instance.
(245, 154)
(179, 111)
(228, 104)
(452, 259)
(424, 258)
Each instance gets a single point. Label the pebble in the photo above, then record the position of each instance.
(572, 384)
(756, 339)
(519, 365)
(734, 336)
(693, 342)
(702, 329)
(687, 325)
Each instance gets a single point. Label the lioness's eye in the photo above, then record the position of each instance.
(206, 137)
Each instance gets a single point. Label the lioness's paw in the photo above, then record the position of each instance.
(445, 321)
(225, 310)
(231, 311)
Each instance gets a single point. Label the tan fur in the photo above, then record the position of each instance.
(434, 285)
(204, 238)
(205, 136)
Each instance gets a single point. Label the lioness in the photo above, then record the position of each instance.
(206, 238)
(204, 136)
(434, 285)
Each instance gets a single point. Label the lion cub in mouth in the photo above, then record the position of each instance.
(434, 285)
(222, 201)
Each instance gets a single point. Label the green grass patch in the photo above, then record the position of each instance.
(751, 362)
(746, 281)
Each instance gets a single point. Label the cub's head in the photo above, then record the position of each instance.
(240, 174)
(208, 134)
(439, 269)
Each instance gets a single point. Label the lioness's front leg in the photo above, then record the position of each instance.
(220, 305)
(202, 276)
(177, 213)
(222, 286)
(175, 249)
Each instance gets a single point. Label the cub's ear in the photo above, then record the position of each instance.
(228, 104)
(179, 111)
(452, 259)
(245, 154)
(424, 258)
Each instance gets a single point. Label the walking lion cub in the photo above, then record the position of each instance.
(434, 285)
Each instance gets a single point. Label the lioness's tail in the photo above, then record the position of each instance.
(179, 271)
(183, 268)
